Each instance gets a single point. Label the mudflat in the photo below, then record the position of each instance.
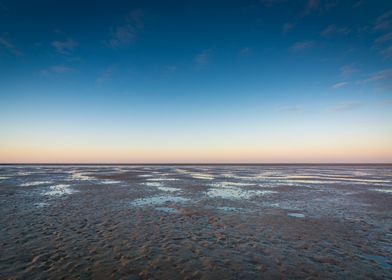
(196, 222)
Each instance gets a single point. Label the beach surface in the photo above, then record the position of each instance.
(196, 222)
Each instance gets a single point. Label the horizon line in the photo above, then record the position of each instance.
(214, 163)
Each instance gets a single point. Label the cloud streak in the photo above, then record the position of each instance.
(245, 51)
(387, 52)
(65, 47)
(6, 44)
(105, 77)
(291, 109)
(287, 27)
(3, 7)
(203, 58)
(383, 38)
(170, 69)
(347, 70)
(310, 6)
(384, 75)
(339, 85)
(383, 25)
(333, 29)
(301, 46)
(318, 6)
(386, 102)
(347, 106)
(58, 70)
(125, 34)
(383, 22)
(270, 3)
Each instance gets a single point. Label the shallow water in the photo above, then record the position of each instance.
(296, 215)
(174, 222)
(158, 200)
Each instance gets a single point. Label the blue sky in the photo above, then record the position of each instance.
(196, 81)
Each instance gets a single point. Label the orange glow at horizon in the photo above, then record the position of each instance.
(290, 153)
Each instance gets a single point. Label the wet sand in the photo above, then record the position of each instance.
(196, 222)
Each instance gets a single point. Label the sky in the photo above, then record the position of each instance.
(250, 81)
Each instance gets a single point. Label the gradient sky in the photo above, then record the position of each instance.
(196, 81)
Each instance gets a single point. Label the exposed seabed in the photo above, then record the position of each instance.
(196, 222)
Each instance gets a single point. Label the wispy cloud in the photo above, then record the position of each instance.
(387, 52)
(122, 36)
(339, 85)
(272, 2)
(347, 106)
(383, 38)
(65, 47)
(382, 42)
(245, 51)
(310, 6)
(303, 45)
(319, 6)
(6, 44)
(333, 29)
(126, 33)
(383, 22)
(287, 27)
(136, 17)
(384, 75)
(386, 102)
(383, 26)
(291, 109)
(170, 69)
(358, 4)
(3, 7)
(203, 58)
(105, 76)
(381, 80)
(348, 70)
(57, 69)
